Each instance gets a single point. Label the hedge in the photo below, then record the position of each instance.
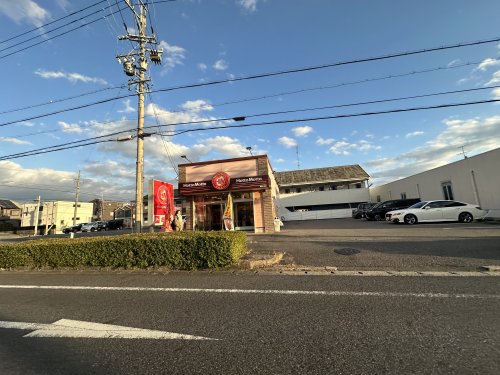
(177, 250)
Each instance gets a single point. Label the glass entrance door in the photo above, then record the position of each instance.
(213, 216)
(243, 215)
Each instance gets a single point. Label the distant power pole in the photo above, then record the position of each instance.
(76, 198)
(139, 72)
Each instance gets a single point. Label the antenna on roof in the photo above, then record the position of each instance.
(463, 152)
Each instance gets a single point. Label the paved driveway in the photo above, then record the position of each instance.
(351, 244)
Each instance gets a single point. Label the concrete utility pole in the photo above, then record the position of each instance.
(140, 73)
(76, 198)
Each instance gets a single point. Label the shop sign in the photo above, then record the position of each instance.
(220, 180)
(161, 200)
(223, 184)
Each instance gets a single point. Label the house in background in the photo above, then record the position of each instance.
(105, 210)
(474, 179)
(10, 215)
(321, 193)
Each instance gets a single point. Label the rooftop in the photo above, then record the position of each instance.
(322, 175)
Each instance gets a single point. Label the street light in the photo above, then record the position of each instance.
(250, 150)
(185, 157)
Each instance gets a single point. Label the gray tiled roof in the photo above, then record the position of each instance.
(5, 203)
(319, 175)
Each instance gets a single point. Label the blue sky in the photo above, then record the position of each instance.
(207, 40)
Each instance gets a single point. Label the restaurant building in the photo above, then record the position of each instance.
(243, 189)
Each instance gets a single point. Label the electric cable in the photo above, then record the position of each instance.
(268, 114)
(289, 121)
(264, 75)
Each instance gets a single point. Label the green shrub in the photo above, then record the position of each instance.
(177, 250)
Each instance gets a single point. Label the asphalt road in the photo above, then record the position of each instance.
(269, 324)
(383, 246)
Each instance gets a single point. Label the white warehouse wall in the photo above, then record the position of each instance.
(474, 180)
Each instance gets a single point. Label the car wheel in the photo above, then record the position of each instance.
(378, 217)
(465, 217)
(411, 219)
(92, 229)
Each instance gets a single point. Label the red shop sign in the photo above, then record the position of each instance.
(220, 180)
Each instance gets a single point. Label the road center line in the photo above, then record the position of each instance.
(330, 293)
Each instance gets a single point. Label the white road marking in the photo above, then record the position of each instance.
(331, 293)
(82, 329)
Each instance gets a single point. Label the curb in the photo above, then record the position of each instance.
(256, 263)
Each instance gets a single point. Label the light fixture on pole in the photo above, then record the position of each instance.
(250, 150)
(185, 157)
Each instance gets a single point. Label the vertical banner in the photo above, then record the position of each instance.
(161, 204)
(228, 214)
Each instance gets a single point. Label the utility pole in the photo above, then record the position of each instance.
(139, 72)
(37, 212)
(76, 198)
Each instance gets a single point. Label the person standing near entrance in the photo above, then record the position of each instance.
(178, 222)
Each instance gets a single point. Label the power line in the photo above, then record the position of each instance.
(290, 121)
(71, 30)
(341, 116)
(50, 23)
(264, 75)
(378, 101)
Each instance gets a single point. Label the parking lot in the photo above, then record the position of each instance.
(351, 244)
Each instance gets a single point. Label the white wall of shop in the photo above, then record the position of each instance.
(474, 180)
(315, 198)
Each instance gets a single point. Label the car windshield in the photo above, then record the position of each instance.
(418, 205)
(377, 205)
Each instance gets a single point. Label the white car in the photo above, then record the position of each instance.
(430, 211)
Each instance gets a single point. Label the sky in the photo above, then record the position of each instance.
(62, 84)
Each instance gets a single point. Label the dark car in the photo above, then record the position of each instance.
(378, 211)
(360, 211)
(114, 224)
(74, 228)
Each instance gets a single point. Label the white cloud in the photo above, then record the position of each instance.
(279, 160)
(453, 63)
(287, 142)
(496, 93)
(72, 77)
(322, 141)
(222, 145)
(302, 131)
(24, 11)
(127, 107)
(414, 134)
(197, 106)
(202, 67)
(220, 65)
(69, 128)
(172, 55)
(249, 5)
(494, 79)
(15, 141)
(487, 63)
(344, 148)
(475, 134)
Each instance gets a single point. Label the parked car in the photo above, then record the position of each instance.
(74, 228)
(432, 211)
(360, 211)
(114, 224)
(378, 211)
(94, 226)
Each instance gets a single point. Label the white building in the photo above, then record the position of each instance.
(53, 217)
(321, 193)
(473, 180)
